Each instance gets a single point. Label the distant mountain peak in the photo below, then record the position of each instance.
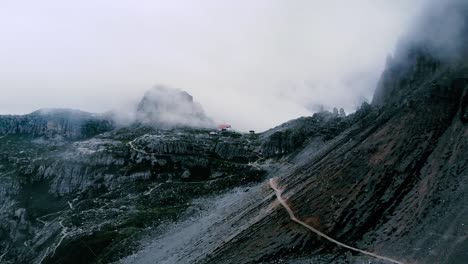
(168, 107)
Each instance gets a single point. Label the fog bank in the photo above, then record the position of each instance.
(253, 64)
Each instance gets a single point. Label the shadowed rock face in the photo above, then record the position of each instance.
(319, 128)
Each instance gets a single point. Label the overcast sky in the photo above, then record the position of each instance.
(251, 63)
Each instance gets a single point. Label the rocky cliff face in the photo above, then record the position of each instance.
(65, 123)
(317, 129)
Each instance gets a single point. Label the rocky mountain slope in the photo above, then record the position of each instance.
(391, 178)
(81, 188)
(393, 182)
(71, 124)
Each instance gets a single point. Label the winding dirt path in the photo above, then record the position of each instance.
(293, 217)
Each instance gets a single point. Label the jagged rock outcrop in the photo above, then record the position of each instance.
(402, 74)
(165, 107)
(228, 146)
(295, 134)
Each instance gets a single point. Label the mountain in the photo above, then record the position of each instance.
(390, 178)
(394, 182)
(77, 187)
(168, 107)
(386, 184)
(72, 124)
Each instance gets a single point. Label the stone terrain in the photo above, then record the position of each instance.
(390, 178)
(80, 188)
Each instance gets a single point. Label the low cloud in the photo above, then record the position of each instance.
(253, 64)
(441, 29)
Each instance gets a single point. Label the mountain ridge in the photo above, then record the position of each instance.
(391, 179)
